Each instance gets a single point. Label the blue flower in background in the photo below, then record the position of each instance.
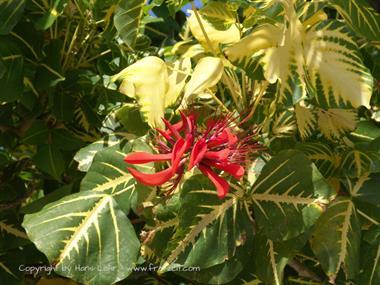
(198, 4)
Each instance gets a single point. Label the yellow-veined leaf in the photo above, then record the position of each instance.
(85, 229)
(289, 195)
(336, 239)
(360, 16)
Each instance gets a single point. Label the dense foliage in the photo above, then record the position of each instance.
(237, 142)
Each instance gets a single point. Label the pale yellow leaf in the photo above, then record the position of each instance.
(334, 122)
(335, 66)
(286, 63)
(147, 81)
(207, 73)
(178, 73)
(262, 37)
(216, 37)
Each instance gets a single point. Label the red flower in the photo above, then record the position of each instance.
(216, 147)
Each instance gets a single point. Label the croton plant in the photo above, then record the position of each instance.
(179, 142)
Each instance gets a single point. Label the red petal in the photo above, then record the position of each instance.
(178, 151)
(199, 150)
(221, 184)
(236, 170)
(218, 155)
(173, 128)
(165, 135)
(144, 157)
(152, 179)
(232, 139)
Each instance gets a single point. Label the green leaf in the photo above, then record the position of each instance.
(218, 15)
(64, 140)
(205, 222)
(85, 155)
(289, 195)
(129, 116)
(50, 160)
(322, 156)
(365, 189)
(336, 239)
(356, 163)
(370, 257)
(51, 15)
(10, 13)
(38, 133)
(108, 173)
(85, 229)
(270, 257)
(13, 63)
(360, 16)
(127, 20)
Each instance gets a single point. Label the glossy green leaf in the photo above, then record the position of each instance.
(13, 63)
(289, 195)
(85, 155)
(10, 13)
(108, 172)
(50, 160)
(85, 229)
(49, 17)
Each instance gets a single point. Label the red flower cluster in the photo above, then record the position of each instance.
(215, 147)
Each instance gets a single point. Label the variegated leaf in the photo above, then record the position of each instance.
(85, 155)
(289, 195)
(206, 221)
(361, 17)
(336, 71)
(356, 163)
(305, 120)
(322, 156)
(85, 229)
(108, 173)
(336, 239)
(333, 123)
(218, 15)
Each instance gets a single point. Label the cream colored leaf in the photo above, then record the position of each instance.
(207, 73)
(178, 73)
(263, 37)
(231, 35)
(335, 67)
(305, 120)
(334, 122)
(286, 63)
(147, 82)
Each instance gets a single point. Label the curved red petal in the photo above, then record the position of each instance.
(218, 155)
(145, 157)
(173, 129)
(198, 152)
(221, 184)
(152, 179)
(179, 149)
(234, 169)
